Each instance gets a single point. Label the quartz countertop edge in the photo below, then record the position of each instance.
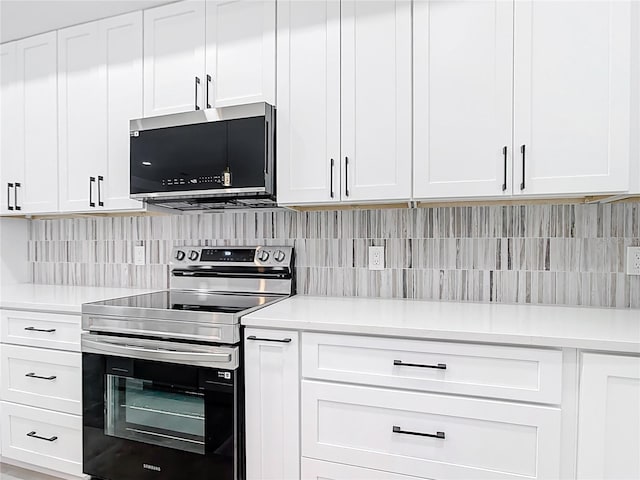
(59, 298)
(603, 329)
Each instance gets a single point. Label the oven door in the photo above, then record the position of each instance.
(146, 418)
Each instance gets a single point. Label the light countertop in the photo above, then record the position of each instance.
(551, 326)
(58, 298)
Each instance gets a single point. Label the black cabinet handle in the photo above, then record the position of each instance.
(346, 176)
(439, 366)
(196, 89)
(34, 435)
(284, 340)
(33, 375)
(92, 180)
(9, 187)
(397, 429)
(209, 82)
(504, 180)
(15, 196)
(34, 329)
(522, 151)
(100, 180)
(333, 163)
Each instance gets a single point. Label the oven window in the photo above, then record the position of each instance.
(165, 415)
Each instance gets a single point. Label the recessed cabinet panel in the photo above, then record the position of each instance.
(35, 151)
(82, 125)
(241, 52)
(10, 158)
(120, 41)
(572, 96)
(609, 421)
(376, 100)
(174, 58)
(463, 60)
(308, 133)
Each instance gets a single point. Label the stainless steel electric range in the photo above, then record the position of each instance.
(162, 372)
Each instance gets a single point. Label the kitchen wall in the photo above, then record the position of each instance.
(540, 254)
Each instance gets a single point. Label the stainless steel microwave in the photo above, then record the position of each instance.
(205, 159)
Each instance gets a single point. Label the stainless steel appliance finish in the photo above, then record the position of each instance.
(205, 159)
(210, 289)
(162, 372)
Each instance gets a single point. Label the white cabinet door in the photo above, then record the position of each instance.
(272, 386)
(82, 125)
(376, 100)
(11, 163)
(36, 117)
(174, 58)
(609, 419)
(241, 52)
(120, 42)
(571, 96)
(463, 63)
(308, 133)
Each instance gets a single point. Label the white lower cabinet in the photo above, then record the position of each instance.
(41, 437)
(42, 378)
(41, 390)
(609, 418)
(272, 387)
(319, 470)
(422, 434)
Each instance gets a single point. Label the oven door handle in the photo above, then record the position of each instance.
(158, 354)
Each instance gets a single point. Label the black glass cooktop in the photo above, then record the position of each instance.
(192, 301)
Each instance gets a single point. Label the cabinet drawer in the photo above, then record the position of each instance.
(42, 378)
(319, 470)
(515, 373)
(42, 437)
(395, 431)
(37, 329)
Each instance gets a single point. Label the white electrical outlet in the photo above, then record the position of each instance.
(138, 255)
(633, 260)
(376, 258)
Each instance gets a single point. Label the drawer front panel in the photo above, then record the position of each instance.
(42, 378)
(527, 374)
(37, 329)
(480, 439)
(319, 470)
(42, 437)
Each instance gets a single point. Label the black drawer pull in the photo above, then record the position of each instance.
(33, 375)
(33, 435)
(34, 329)
(284, 340)
(397, 429)
(439, 366)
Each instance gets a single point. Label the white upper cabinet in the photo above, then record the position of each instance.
(572, 96)
(376, 100)
(120, 40)
(609, 419)
(240, 52)
(463, 63)
(174, 58)
(29, 126)
(82, 117)
(10, 162)
(308, 133)
(100, 80)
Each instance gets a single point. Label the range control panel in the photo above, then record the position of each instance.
(261, 256)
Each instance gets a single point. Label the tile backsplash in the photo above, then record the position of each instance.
(539, 254)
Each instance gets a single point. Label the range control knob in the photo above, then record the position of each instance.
(193, 255)
(279, 256)
(263, 255)
(180, 255)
